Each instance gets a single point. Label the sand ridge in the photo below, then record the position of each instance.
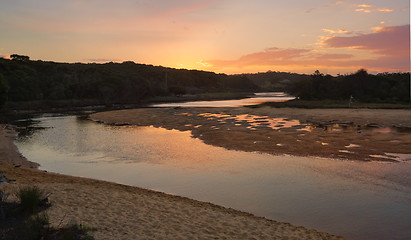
(124, 212)
(355, 134)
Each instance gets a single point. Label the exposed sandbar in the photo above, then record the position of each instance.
(356, 134)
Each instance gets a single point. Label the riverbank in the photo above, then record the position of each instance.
(78, 105)
(355, 134)
(124, 212)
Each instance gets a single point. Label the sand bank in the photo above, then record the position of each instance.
(357, 134)
(124, 212)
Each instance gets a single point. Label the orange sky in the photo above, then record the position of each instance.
(230, 36)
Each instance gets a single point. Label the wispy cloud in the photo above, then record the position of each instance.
(364, 5)
(281, 57)
(270, 56)
(385, 10)
(368, 8)
(340, 31)
(363, 10)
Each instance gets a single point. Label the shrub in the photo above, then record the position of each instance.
(20, 223)
(29, 198)
(75, 231)
(37, 226)
(34, 228)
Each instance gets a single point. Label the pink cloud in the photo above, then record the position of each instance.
(273, 55)
(282, 57)
(389, 45)
(267, 57)
(389, 41)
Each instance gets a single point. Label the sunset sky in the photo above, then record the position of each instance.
(225, 36)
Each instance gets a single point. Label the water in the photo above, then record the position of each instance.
(358, 200)
(258, 98)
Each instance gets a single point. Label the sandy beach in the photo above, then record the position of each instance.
(355, 134)
(124, 212)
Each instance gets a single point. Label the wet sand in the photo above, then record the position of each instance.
(124, 212)
(355, 134)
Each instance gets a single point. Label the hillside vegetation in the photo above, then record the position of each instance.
(22, 80)
(360, 86)
(33, 84)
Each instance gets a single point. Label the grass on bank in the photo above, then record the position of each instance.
(30, 198)
(25, 219)
(296, 103)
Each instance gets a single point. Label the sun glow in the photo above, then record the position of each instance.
(199, 34)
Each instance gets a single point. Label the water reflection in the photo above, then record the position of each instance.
(278, 123)
(355, 199)
(257, 98)
(255, 121)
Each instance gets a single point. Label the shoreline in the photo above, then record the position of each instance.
(68, 106)
(127, 212)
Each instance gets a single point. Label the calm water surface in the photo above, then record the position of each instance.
(355, 199)
(257, 98)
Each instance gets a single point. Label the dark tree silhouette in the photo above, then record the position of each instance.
(19, 57)
(364, 87)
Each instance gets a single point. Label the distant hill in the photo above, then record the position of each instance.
(107, 83)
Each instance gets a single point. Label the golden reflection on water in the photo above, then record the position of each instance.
(258, 99)
(254, 121)
(278, 123)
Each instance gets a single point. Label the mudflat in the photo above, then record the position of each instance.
(123, 212)
(355, 134)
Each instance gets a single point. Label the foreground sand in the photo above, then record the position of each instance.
(125, 212)
(356, 134)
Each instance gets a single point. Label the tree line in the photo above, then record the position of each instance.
(362, 86)
(23, 80)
